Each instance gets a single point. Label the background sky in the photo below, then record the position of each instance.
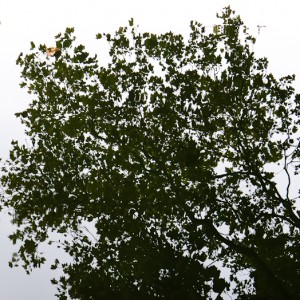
(39, 21)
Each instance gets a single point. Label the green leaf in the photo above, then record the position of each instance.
(98, 36)
(152, 171)
(219, 285)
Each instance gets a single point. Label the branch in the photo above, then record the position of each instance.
(230, 174)
(288, 175)
(272, 188)
(273, 281)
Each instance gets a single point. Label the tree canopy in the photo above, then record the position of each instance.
(159, 170)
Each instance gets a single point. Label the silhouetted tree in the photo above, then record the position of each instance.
(154, 167)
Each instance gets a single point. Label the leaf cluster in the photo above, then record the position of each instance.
(156, 166)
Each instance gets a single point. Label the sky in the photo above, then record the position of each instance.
(39, 21)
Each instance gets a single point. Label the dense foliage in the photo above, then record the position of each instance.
(159, 168)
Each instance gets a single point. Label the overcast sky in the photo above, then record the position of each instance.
(23, 21)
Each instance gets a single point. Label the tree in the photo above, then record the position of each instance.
(160, 168)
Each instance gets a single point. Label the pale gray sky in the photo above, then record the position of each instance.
(40, 21)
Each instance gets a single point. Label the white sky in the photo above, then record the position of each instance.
(39, 21)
